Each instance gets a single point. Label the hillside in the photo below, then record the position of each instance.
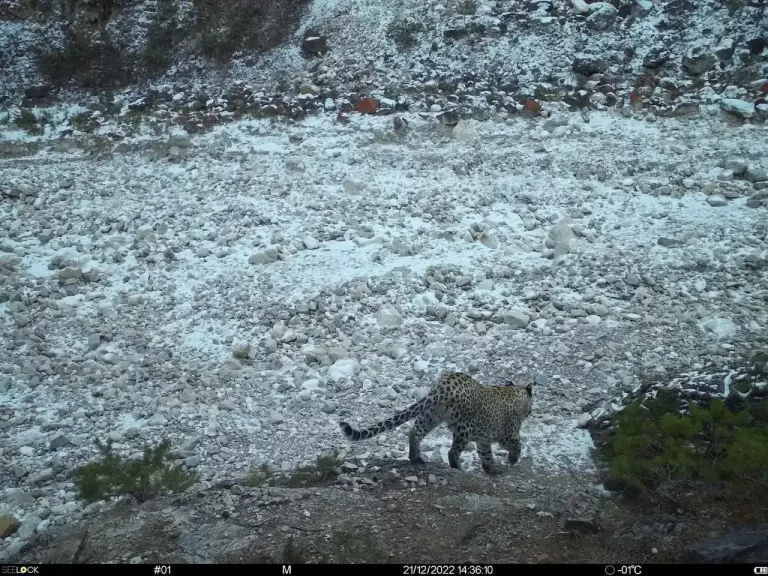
(232, 228)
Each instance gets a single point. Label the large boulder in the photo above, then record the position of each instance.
(748, 547)
(314, 43)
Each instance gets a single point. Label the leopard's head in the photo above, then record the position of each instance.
(527, 397)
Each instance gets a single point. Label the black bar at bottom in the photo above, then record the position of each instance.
(388, 569)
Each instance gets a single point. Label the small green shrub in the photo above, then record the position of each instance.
(82, 122)
(259, 476)
(152, 475)
(107, 104)
(325, 470)
(656, 441)
(468, 8)
(404, 32)
(356, 547)
(758, 365)
(26, 120)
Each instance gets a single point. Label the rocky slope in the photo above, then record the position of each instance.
(667, 57)
(182, 264)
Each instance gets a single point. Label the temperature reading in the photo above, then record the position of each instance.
(627, 570)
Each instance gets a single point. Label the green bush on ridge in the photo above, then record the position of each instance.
(656, 441)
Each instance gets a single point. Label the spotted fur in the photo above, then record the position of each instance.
(474, 413)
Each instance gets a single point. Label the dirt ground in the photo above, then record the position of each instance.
(388, 511)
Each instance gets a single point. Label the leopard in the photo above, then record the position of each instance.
(472, 411)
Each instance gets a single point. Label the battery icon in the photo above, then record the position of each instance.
(761, 569)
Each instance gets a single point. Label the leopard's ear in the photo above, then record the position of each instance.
(529, 389)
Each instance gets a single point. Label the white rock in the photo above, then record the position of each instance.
(28, 527)
(398, 350)
(275, 417)
(264, 257)
(310, 243)
(516, 319)
(344, 368)
(722, 328)
(157, 420)
(241, 351)
(308, 88)
(422, 301)
(421, 365)
(70, 272)
(739, 107)
(179, 138)
(716, 200)
(311, 385)
(353, 185)
(602, 15)
(26, 189)
(134, 299)
(295, 164)
(580, 7)
(289, 336)
(562, 233)
(313, 352)
(486, 284)
(489, 240)
(389, 317)
(464, 131)
(643, 7)
(584, 420)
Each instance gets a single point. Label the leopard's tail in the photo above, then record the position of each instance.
(398, 419)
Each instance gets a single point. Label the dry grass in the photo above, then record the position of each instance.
(564, 548)
(741, 503)
(631, 531)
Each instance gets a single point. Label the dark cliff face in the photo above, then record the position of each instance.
(110, 44)
(541, 50)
